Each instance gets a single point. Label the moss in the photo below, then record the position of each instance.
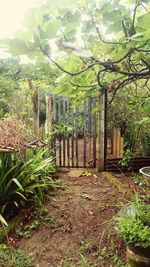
(122, 188)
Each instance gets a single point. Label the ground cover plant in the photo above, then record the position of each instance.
(133, 224)
(24, 177)
(15, 258)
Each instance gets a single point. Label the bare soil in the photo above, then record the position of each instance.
(83, 230)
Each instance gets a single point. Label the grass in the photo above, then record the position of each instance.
(83, 262)
(16, 258)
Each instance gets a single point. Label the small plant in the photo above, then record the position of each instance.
(83, 262)
(134, 231)
(20, 258)
(22, 178)
(118, 262)
(27, 230)
(86, 245)
(126, 158)
(46, 218)
(139, 180)
(134, 224)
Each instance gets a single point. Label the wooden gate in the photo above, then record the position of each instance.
(75, 131)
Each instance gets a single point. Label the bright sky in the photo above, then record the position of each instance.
(11, 15)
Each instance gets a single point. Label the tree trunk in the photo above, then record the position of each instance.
(35, 103)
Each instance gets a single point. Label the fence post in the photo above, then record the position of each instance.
(101, 131)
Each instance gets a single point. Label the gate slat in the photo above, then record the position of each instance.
(64, 141)
(58, 113)
(94, 132)
(68, 138)
(89, 130)
(85, 132)
(72, 139)
(76, 136)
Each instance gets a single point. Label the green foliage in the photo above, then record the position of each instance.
(22, 178)
(19, 258)
(40, 216)
(133, 224)
(118, 262)
(126, 158)
(27, 229)
(134, 232)
(105, 35)
(138, 179)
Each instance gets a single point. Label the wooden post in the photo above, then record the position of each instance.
(121, 147)
(35, 102)
(48, 123)
(100, 157)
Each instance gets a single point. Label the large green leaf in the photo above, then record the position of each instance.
(50, 28)
(144, 21)
(114, 16)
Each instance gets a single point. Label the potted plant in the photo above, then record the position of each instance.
(145, 171)
(133, 224)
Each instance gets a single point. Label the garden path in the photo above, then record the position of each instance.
(80, 228)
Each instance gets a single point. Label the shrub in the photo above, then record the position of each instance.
(20, 178)
(134, 224)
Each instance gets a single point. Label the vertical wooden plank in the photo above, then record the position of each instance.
(114, 154)
(105, 128)
(72, 139)
(64, 137)
(49, 112)
(121, 147)
(54, 108)
(76, 136)
(59, 121)
(85, 133)
(100, 156)
(68, 138)
(89, 130)
(89, 113)
(118, 139)
(94, 132)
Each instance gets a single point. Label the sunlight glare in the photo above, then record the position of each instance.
(12, 13)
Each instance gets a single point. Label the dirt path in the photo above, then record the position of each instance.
(79, 233)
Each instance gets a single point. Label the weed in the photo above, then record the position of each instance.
(20, 258)
(139, 180)
(69, 190)
(118, 262)
(83, 262)
(86, 245)
(46, 218)
(27, 230)
(103, 254)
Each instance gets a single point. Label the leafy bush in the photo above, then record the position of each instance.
(134, 231)
(134, 224)
(20, 178)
